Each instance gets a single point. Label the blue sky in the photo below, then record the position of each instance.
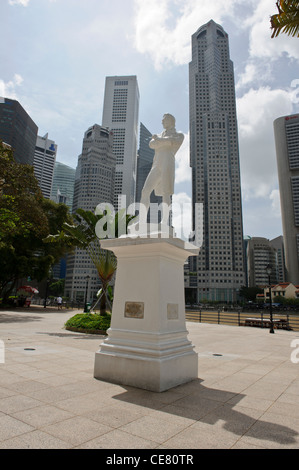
(56, 54)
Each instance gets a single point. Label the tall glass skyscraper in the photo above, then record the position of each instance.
(214, 158)
(286, 130)
(120, 115)
(63, 184)
(18, 130)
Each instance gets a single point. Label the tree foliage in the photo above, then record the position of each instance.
(82, 234)
(26, 218)
(250, 293)
(287, 19)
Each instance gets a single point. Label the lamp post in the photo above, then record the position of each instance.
(269, 271)
(86, 289)
(46, 294)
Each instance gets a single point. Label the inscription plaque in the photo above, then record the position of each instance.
(172, 311)
(134, 310)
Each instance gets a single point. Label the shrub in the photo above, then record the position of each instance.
(89, 323)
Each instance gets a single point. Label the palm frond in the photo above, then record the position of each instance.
(287, 19)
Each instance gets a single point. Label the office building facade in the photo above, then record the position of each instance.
(278, 244)
(260, 254)
(286, 131)
(94, 184)
(18, 130)
(214, 159)
(44, 162)
(120, 115)
(63, 184)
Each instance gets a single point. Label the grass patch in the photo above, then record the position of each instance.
(89, 323)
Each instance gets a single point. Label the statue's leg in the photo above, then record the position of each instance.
(166, 199)
(148, 188)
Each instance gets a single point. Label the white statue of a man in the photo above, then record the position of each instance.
(161, 177)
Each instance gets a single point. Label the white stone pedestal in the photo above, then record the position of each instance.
(147, 345)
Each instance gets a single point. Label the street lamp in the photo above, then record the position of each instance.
(269, 271)
(46, 293)
(86, 289)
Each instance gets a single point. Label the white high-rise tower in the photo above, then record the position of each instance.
(214, 158)
(120, 115)
(286, 130)
(44, 162)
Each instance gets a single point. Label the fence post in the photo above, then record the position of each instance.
(239, 317)
(262, 319)
(218, 316)
(200, 315)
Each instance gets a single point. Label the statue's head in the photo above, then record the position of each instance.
(168, 121)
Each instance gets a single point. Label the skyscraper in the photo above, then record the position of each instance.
(286, 130)
(120, 115)
(278, 244)
(18, 130)
(94, 184)
(260, 253)
(214, 158)
(44, 162)
(63, 184)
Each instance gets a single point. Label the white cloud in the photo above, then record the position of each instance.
(8, 89)
(275, 203)
(261, 43)
(183, 170)
(24, 3)
(257, 109)
(163, 27)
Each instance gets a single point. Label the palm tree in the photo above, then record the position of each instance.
(83, 235)
(287, 19)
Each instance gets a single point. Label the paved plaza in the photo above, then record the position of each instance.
(245, 397)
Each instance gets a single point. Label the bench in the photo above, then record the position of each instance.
(266, 323)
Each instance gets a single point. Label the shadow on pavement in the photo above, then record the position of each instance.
(17, 318)
(198, 406)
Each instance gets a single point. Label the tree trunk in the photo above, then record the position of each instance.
(103, 302)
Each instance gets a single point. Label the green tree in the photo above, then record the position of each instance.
(26, 218)
(287, 19)
(57, 287)
(83, 235)
(250, 293)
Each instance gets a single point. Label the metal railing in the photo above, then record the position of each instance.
(261, 318)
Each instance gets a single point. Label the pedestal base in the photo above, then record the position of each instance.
(148, 374)
(147, 345)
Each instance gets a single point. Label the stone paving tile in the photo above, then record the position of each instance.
(154, 428)
(35, 440)
(77, 430)
(118, 439)
(42, 415)
(251, 402)
(113, 415)
(89, 402)
(197, 437)
(16, 403)
(11, 427)
(27, 386)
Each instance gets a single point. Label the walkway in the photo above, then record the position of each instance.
(246, 396)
